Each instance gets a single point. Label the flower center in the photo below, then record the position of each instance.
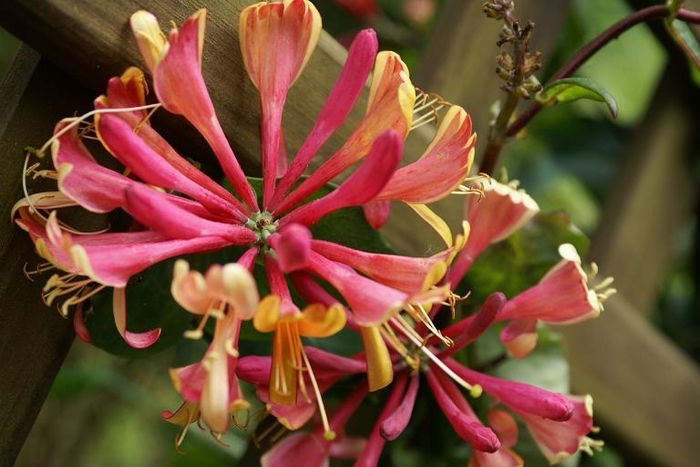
(263, 225)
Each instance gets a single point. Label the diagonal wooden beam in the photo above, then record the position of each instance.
(92, 41)
(35, 340)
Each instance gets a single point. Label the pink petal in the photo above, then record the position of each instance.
(468, 329)
(396, 423)
(153, 168)
(390, 107)
(559, 440)
(561, 297)
(292, 247)
(312, 448)
(441, 168)
(254, 369)
(111, 258)
(139, 340)
(376, 212)
(347, 89)
(276, 40)
(504, 457)
(154, 210)
(129, 91)
(518, 396)
(520, 337)
(178, 83)
(460, 415)
(79, 324)
(80, 177)
(404, 273)
(360, 187)
(371, 303)
(500, 212)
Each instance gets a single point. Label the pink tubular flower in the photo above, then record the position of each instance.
(562, 296)
(328, 369)
(316, 448)
(494, 216)
(557, 441)
(507, 430)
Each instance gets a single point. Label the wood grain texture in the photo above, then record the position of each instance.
(35, 339)
(92, 41)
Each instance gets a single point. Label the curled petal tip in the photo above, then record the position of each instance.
(142, 340)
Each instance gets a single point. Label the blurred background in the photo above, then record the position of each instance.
(105, 411)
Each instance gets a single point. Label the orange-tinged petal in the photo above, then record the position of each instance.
(189, 288)
(268, 315)
(379, 368)
(235, 285)
(317, 321)
(286, 363)
(392, 97)
(277, 40)
(443, 166)
(391, 86)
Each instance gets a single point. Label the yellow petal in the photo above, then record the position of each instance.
(317, 321)
(268, 314)
(391, 85)
(433, 221)
(379, 368)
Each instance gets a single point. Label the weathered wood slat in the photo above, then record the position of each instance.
(92, 41)
(647, 390)
(34, 338)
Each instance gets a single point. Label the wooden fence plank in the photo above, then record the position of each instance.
(653, 195)
(34, 339)
(60, 28)
(645, 390)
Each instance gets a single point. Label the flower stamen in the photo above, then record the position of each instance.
(328, 434)
(426, 108)
(417, 312)
(475, 390)
(78, 120)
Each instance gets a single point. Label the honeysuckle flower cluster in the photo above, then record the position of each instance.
(388, 300)
(558, 423)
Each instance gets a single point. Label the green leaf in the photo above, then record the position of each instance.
(149, 305)
(686, 40)
(521, 260)
(573, 89)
